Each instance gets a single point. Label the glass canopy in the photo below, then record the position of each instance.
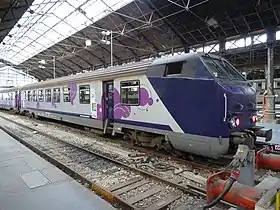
(47, 22)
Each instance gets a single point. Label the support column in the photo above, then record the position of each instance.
(54, 67)
(222, 45)
(269, 107)
(186, 48)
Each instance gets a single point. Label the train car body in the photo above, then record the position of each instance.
(10, 99)
(193, 102)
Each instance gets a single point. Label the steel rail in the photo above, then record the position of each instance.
(101, 191)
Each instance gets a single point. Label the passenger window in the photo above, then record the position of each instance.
(25, 95)
(66, 94)
(29, 96)
(84, 91)
(48, 95)
(56, 95)
(173, 68)
(34, 95)
(130, 92)
(40, 95)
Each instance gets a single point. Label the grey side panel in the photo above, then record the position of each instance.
(89, 122)
(119, 126)
(199, 145)
(194, 144)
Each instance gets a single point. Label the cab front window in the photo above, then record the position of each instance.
(222, 69)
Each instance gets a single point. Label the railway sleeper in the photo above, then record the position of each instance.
(137, 182)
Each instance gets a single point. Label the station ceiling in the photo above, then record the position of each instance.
(145, 28)
(10, 12)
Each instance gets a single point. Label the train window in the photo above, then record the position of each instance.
(25, 95)
(40, 95)
(48, 95)
(130, 92)
(34, 95)
(29, 96)
(84, 91)
(11, 96)
(56, 95)
(66, 94)
(259, 85)
(173, 68)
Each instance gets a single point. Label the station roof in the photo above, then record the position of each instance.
(59, 30)
(10, 12)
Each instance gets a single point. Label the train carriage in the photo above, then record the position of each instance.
(196, 103)
(10, 98)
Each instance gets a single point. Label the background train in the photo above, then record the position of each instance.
(196, 103)
(260, 87)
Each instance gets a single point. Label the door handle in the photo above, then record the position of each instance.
(225, 114)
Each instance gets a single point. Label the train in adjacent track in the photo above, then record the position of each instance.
(195, 103)
(260, 87)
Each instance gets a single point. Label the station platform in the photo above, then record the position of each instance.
(28, 182)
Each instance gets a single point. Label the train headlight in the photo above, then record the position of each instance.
(254, 118)
(234, 122)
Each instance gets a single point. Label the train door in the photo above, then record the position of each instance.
(19, 100)
(108, 88)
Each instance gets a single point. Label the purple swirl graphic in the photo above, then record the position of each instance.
(73, 91)
(120, 111)
(145, 98)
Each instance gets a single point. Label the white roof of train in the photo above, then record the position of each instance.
(107, 73)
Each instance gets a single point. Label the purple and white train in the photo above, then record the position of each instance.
(196, 103)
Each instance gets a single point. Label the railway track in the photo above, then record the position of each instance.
(197, 163)
(197, 166)
(119, 183)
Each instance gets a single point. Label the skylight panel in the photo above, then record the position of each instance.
(37, 45)
(20, 44)
(33, 20)
(77, 3)
(76, 20)
(64, 10)
(20, 57)
(51, 21)
(47, 7)
(63, 27)
(31, 49)
(53, 36)
(44, 41)
(94, 9)
(34, 35)
(40, 28)
(34, 7)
